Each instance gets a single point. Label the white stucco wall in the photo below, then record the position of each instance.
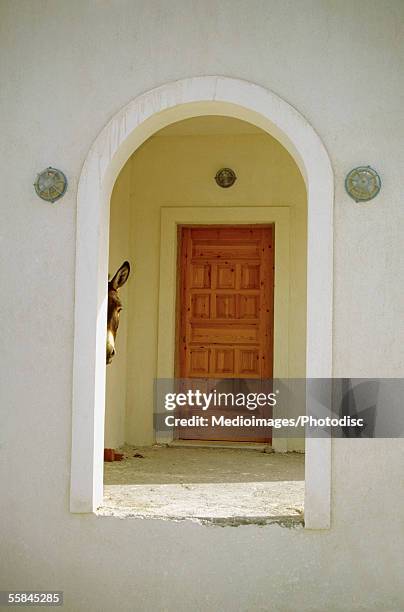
(67, 68)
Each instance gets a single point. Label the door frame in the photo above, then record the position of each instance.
(170, 220)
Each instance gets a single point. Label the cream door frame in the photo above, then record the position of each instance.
(170, 219)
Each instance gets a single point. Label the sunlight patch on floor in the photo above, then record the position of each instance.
(195, 483)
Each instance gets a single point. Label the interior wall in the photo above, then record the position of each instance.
(119, 251)
(176, 167)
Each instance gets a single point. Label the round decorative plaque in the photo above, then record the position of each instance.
(225, 177)
(363, 183)
(50, 184)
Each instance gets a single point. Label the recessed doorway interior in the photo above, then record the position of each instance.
(174, 171)
(168, 182)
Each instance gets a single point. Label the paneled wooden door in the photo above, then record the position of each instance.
(225, 310)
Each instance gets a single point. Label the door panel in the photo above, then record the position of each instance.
(225, 306)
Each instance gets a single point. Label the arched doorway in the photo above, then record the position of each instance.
(127, 130)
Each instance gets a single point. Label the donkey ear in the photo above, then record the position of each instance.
(121, 276)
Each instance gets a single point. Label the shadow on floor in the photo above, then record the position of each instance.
(167, 465)
(224, 487)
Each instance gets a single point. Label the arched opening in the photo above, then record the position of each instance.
(174, 170)
(177, 101)
(169, 181)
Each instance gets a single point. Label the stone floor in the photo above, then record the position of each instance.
(218, 485)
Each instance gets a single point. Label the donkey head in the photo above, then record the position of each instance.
(115, 307)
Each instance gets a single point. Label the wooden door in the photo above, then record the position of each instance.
(225, 305)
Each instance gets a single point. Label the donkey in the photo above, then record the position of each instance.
(115, 307)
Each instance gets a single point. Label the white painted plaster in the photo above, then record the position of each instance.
(67, 68)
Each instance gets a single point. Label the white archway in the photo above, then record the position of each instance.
(128, 129)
